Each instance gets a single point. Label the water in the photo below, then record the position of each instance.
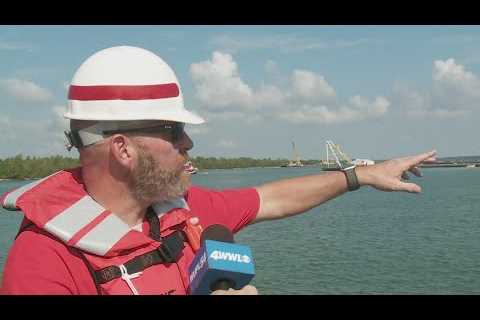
(364, 242)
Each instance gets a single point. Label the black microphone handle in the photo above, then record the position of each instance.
(217, 232)
(222, 284)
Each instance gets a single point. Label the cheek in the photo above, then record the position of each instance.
(170, 159)
(167, 157)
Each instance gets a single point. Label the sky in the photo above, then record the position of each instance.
(377, 91)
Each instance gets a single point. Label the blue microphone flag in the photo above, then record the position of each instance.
(221, 260)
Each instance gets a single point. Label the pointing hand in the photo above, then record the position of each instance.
(389, 175)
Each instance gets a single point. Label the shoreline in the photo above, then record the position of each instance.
(423, 166)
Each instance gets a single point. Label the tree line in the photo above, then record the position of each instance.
(242, 162)
(21, 167)
(30, 167)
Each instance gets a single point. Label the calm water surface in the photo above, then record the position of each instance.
(364, 242)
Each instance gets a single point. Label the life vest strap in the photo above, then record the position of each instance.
(154, 223)
(168, 252)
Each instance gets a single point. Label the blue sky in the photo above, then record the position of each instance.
(378, 91)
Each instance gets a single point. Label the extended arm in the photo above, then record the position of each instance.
(288, 197)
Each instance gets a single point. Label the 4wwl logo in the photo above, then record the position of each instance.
(229, 256)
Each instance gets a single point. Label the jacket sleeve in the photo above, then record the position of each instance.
(38, 264)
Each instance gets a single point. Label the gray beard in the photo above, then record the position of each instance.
(150, 183)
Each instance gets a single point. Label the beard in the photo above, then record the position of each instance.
(150, 183)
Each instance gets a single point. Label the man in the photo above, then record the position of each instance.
(128, 221)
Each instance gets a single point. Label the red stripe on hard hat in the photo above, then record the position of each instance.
(154, 91)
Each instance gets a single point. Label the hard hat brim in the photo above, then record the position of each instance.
(139, 110)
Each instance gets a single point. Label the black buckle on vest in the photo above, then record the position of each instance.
(171, 247)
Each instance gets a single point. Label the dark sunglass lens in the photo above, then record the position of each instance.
(177, 132)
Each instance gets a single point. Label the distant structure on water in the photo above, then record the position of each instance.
(363, 162)
(295, 162)
(340, 159)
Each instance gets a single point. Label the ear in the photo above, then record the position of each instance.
(123, 151)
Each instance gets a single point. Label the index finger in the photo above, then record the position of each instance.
(415, 160)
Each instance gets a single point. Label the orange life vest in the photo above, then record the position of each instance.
(60, 205)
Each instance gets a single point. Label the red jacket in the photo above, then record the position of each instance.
(71, 232)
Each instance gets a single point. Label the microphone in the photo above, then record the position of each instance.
(220, 264)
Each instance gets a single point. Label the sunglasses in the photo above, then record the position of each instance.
(175, 130)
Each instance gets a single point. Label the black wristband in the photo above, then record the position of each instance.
(352, 180)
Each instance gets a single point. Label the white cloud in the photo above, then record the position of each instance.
(32, 137)
(270, 96)
(454, 87)
(25, 91)
(358, 108)
(312, 87)
(455, 92)
(410, 98)
(378, 107)
(59, 120)
(8, 131)
(218, 83)
(226, 144)
(307, 98)
(450, 72)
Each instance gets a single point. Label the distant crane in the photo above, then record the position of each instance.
(341, 159)
(295, 162)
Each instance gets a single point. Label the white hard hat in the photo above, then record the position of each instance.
(127, 83)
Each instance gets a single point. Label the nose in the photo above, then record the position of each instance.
(185, 143)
